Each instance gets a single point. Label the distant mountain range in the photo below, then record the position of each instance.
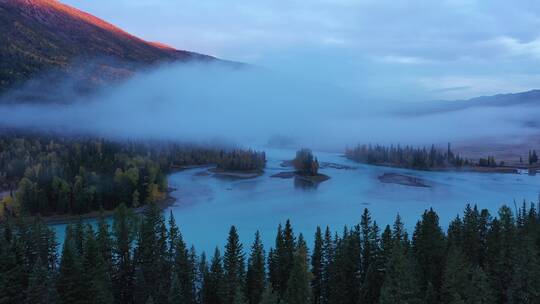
(528, 98)
(41, 36)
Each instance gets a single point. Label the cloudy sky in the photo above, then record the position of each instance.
(413, 49)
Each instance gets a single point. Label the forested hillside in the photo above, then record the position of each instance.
(43, 36)
(142, 258)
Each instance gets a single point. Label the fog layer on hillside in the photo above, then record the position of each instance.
(250, 106)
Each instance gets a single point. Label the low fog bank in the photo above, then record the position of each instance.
(208, 103)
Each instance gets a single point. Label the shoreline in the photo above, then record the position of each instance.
(403, 180)
(65, 219)
(235, 174)
(474, 169)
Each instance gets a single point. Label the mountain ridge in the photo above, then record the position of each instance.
(40, 36)
(529, 98)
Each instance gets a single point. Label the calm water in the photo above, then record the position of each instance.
(207, 206)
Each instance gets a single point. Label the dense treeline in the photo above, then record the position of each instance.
(142, 258)
(68, 175)
(407, 157)
(533, 157)
(488, 162)
(241, 160)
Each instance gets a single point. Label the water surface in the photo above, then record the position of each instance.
(206, 206)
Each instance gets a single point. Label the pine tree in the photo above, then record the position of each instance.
(233, 265)
(471, 234)
(479, 290)
(429, 250)
(175, 292)
(525, 283)
(163, 263)
(40, 288)
(329, 248)
(283, 258)
(269, 296)
(124, 271)
(455, 233)
(140, 293)
(13, 273)
(147, 254)
(239, 296)
(94, 271)
(70, 285)
(455, 277)
(464, 283)
(105, 242)
(298, 285)
(213, 285)
(371, 286)
(400, 284)
(386, 245)
(347, 268)
(273, 261)
(256, 274)
(317, 267)
(173, 234)
(185, 269)
(368, 246)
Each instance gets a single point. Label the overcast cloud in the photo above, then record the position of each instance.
(402, 49)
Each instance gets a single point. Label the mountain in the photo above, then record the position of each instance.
(41, 36)
(529, 98)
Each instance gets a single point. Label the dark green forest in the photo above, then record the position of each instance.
(408, 157)
(241, 160)
(49, 174)
(142, 258)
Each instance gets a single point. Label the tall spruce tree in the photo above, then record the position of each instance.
(298, 286)
(175, 293)
(317, 267)
(233, 261)
(400, 284)
(105, 242)
(429, 249)
(40, 286)
(269, 296)
(123, 266)
(70, 284)
(256, 274)
(371, 285)
(346, 278)
(13, 270)
(283, 258)
(147, 255)
(95, 271)
(185, 269)
(525, 282)
(213, 287)
(464, 283)
(329, 252)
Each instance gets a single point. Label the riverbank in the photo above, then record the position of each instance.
(234, 174)
(404, 180)
(478, 169)
(59, 219)
(301, 179)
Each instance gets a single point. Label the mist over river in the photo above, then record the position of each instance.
(207, 206)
